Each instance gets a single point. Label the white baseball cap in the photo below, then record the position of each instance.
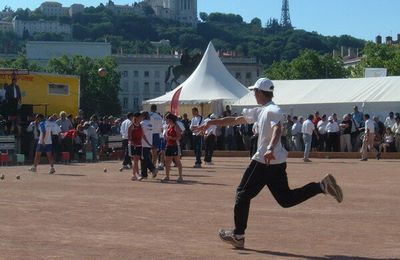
(263, 84)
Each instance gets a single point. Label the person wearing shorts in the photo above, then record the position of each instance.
(135, 145)
(44, 144)
(157, 122)
(172, 137)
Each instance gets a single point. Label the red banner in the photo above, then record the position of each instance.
(175, 102)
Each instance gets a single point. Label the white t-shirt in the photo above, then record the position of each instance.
(389, 122)
(47, 129)
(211, 130)
(332, 127)
(322, 127)
(148, 133)
(266, 117)
(196, 121)
(369, 124)
(125, 127)
(307, 127)
(157, 122)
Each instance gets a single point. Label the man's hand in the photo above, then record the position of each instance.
(200, 128)
(269, 156)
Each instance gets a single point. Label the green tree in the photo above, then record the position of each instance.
(21, 62)
(99, 95)
(309, 65)
(379, 56)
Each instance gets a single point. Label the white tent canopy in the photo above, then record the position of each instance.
(376, 96)
(211, 81)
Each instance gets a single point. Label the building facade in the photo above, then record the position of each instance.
(42, 51)
(6, 26)
(56, 9)
(143, 76)
(41, 26)
(184, 11)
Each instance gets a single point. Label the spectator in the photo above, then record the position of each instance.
(186, 141)
(396, 132)
(379, 128)
(92, 138)
(254, 140)
(157, 123)
(210, 136)
(296, 134)
(227, 112)
(55, 138)
(13, 100)
(34, 129)
(246, 132)
(64, 123)
(197, 120)
(3, 125)
(388, 142)
(288, 124)
(333, 136)
(322, 133)
(125, 126)
(368, 141)
(307, 129)
(358, 117)
(315, 137)
(390, 120)
(345, 137)
(355, 135)
(146, 162)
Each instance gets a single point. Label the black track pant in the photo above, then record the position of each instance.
(255, 178)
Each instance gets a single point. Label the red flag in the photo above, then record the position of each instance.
(175, 102)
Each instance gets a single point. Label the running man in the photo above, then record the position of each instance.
(268, 165)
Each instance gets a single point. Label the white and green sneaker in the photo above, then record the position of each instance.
(229, 237)
(332, 188)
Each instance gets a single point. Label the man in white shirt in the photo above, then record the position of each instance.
(396, 132)
(268, 165)
(44, 144)
(308, 128)
(333, 138)
(296, 133)
(390, 120)
(125, 128)
(157, 123)
(147, 140)
(369, 136)
(197, 120)
(321, 126)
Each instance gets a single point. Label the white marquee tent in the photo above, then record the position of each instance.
(376, 96)
(211, 83)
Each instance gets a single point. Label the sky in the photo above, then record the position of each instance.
(359, 18)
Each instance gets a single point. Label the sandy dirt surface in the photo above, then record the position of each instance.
(82, 212)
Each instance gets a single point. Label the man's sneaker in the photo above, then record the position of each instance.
(331, 188)
(154, 172)
(228, 237)
(165, 179)
(364, 159)
(139, 178)
(52, 170)
(197, 166)
(378, 155)
(179, 180)
(32, 169)
(306, 160)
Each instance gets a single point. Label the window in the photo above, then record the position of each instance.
(157, 87)
(146, 74)
(146, 88)
(136, 74)
(125, 86)
(135, 103)
(248, 75)
(157, 74)
(125, 103)
(135, 86)
(238, 76)
(58, 89)
(125, 74)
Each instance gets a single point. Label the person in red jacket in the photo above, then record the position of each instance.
(135, 136)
